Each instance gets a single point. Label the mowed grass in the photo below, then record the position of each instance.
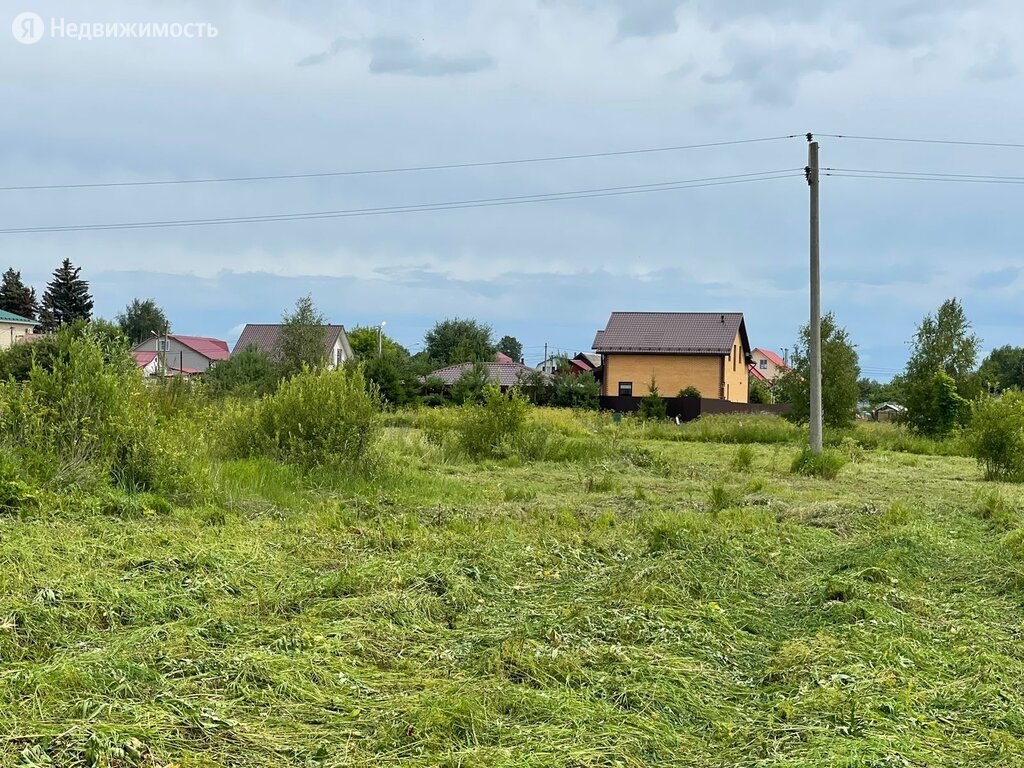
(688, 606)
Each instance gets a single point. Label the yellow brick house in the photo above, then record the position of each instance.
(706, 350)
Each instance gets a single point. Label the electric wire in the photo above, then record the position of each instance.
(407, 169)
(447, 205)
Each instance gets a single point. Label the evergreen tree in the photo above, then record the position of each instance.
(17, 297)
(66, 298)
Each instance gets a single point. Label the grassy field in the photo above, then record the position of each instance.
(678, 601)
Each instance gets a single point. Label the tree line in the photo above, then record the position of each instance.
(67, 300)
(940, 381)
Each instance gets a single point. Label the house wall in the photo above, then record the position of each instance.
(178, 355)
(716, 376)
(337, 353)
(671, 372)
(737, 377)
(771, 370)
(11, 332)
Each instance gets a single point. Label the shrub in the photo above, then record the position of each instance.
(15, 493)
(250, 372)
(690, 391)
(316, 417)
(996, 436)
(86, 420)
(652, 406)
(575, 391)
(496, 428)
(719, 497)
(825, 464)
(744, 458)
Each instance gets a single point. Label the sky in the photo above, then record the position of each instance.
(326, 87)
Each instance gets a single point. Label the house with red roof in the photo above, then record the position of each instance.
(174, 353)
(766, 365)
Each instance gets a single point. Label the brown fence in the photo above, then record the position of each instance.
(690, 408)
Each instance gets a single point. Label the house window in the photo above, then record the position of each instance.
(162, 345)
(625, 389)
(764, 365)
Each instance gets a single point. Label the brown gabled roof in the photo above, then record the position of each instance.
(502, 374)
(266, 337)
(672, 333)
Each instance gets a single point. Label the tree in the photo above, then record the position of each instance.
(512, 347)
(840, 370)
(942, 343)
(66, 298)
(471, 385)
(17, 297)
(652, 405)
(455, 341)
(364, 342)
(142, 318)
(570, 390)
(249, 372)
(996, 436)
(301, 342)
(1003, 369)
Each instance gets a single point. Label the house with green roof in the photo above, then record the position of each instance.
(13, 327)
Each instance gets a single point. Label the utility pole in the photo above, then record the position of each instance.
(813, 180)
(544, 365)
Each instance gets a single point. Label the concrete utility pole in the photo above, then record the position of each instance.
(815, 324)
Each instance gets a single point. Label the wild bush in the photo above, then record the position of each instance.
(316, 417)
(495, 428)
(996, 436)
(825, 465)
(744, 458)
(690, 391)
(85, 420)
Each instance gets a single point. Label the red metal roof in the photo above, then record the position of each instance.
(679, 333)
(771, 356)
(211, 349)
(143, 357)
(501, 357)
(756, 373)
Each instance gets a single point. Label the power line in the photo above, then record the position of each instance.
(965, 176)
(449, 205)
(408, 169)
(923, 141)
(933, 177)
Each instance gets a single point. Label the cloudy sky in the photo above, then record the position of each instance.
(323, 87)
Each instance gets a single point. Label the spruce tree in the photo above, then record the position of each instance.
(66, 299)
(17, 297)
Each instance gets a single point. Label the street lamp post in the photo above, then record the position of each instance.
(380, 338)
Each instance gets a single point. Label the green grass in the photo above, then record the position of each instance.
(654, 602)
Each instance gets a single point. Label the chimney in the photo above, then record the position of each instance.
(722, 319)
